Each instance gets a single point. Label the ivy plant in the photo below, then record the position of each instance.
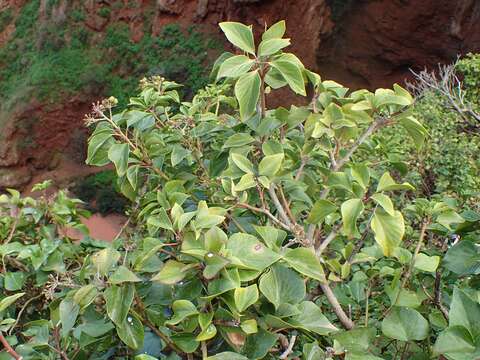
(253, 233)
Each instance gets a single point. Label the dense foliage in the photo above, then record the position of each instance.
(64, 56)
(253, 233)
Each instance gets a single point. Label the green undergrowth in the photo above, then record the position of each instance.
(53, 58)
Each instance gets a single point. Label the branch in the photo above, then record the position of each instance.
(281, 211)
(368, 132)
(8, 348)
(323, 245)
(266, 212)
(332, 299)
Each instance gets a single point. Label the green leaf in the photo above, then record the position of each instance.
(68, 311)
(118, 300)
(215, 238)
(123, 274)
(131, 332)
(247, 92)
(361, 175)
(282, 285)
(463, 259)
(454, 340)
(386, 183)
(292, 73)
(160, 220)
(238, 140)
(242, 163)
(9, 300)
(171, 273)
(388, 97)
(272, 46)
(426, 263)
(465, 312)
(246, 182)
(357, 340)
(207, 334)
(98, 146)
(235, 66)
(311, 318)
(249, 326)
(239, 35)
(178, 154)
(272, 236)
(385, 202)
(104, 260)
(305, 262)
(321, 209)
(118, 154)
(247, 252)
(416, 130)
(228, 355)
(405, 324)
(245, 297)
(351, 210)
(270, 165)
(388, 230)
(276, 31)
(85, 295)
(14, 281)
(182, 309)
(258, 345)
(214, 264)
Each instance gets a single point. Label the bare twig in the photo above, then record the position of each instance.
(289, 349)
(323, 245)
(266, 212)
(281, 211)
(445, 82)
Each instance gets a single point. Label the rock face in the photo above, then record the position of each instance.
(373, 44)
(378, 41)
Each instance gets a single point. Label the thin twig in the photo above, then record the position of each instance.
(438, 295)
(281, 211)
(289, 349)
(266, 212)
(8, 348)
(323, 245)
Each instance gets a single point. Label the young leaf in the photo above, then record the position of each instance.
(245, 297)
(182, 309)
(351, 210)
(118, 154)
(385, 202)
(276, 31)
(292, 73)
(386, 183)
(247, 92)
(239, 35)
(270, 165)
(272, 46)
(243, 163)
(235, 66)
(388, 230)
(305, 262)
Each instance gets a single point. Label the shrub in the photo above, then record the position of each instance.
(256, 233)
